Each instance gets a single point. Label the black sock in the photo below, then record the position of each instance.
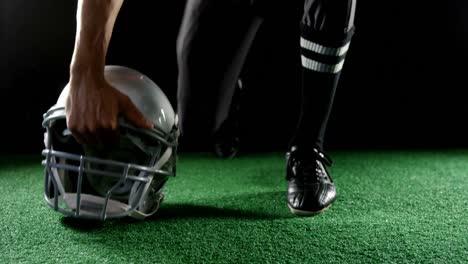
(322, 57)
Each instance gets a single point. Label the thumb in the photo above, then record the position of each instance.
(133, 115)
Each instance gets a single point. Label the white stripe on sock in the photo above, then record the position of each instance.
(320, 49)
(321, 67)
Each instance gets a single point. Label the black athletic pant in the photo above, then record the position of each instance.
(212, 45)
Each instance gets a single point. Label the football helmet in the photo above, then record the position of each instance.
(112, 181)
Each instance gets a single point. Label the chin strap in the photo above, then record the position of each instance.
(140, 214)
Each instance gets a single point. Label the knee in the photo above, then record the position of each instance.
(330, 17)
(326, 31)
(190, 20)
(180, 46)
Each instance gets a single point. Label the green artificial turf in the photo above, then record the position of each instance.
(393, 207)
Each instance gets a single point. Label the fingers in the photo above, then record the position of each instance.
(84, 135)
(132, 114)
(78, 137)
(74, 129)
(93, 132)
(95, 120)
(103, 131)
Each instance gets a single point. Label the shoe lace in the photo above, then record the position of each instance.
(314, 172)
(313, 169)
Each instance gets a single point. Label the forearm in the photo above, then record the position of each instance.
(95, 21)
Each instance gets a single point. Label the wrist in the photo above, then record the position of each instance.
(85, 67)
(89, 72)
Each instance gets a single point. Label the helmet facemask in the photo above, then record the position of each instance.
(106, 181)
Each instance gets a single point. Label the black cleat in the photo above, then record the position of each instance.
(310, 188)
(226, 140)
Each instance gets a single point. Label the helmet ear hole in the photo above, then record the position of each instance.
(59, 129)
(61, 135)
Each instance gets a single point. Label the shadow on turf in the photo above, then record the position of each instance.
(247, 207)
(253, 206)
(191, 211)
(81, 224)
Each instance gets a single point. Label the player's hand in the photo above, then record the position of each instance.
(93, 107)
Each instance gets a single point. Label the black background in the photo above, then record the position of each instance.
(403, 85)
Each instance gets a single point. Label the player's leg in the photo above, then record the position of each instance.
(326, 30)
(212, 45)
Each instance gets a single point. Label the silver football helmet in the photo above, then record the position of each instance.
(126, 179)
